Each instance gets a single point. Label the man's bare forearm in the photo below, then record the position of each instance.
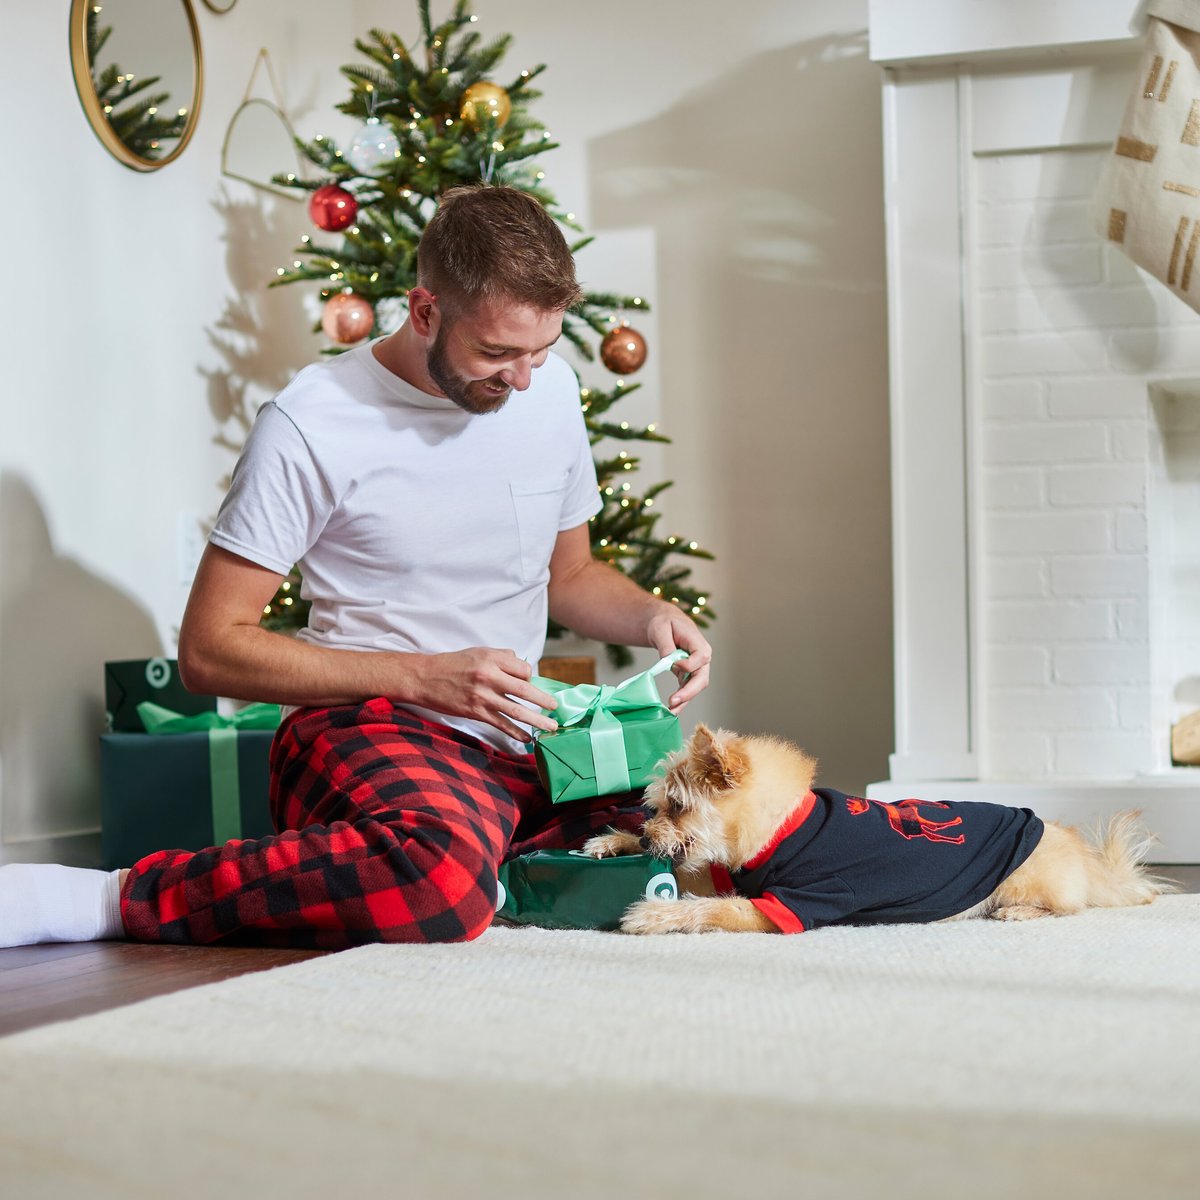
(597, 601)
(223, 651)
(248, 662)
(484, 684)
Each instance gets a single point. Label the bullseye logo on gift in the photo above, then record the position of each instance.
(662, 887)
(158, 672)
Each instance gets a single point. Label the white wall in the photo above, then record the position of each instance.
(732, 170)
(131, 297)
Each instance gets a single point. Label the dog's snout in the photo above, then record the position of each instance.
(644, 842)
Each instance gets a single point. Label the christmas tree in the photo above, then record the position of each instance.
(134, 117)
(432, 118)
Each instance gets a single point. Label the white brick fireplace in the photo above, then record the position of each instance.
(1045, 428)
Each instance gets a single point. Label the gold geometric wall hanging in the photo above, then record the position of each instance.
(260, 138)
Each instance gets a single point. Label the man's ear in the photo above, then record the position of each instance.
(718, 760)
(423, 313)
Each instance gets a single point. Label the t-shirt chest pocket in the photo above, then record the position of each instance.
(537, 503)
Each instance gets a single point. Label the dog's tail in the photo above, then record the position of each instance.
(1119, 875)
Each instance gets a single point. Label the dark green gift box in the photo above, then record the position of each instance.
(156, 794)
(131, 681)
(566, 889)
(610, 739)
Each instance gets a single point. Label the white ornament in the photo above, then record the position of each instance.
(374, 146)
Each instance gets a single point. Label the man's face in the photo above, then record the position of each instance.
(479, 356)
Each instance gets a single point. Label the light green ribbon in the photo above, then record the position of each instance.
(222, 753)
(596, 706)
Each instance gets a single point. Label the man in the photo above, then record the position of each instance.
(435, 487)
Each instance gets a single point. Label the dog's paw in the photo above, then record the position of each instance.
(655, 916)
(696, 914)
(1020, 912)
(613, 844)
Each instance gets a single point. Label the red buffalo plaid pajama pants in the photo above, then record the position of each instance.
(391, 829)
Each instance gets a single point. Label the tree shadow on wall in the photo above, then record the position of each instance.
(765, 192)
(263, 335)
(59, 624)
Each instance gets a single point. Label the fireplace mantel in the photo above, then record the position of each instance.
(910, 32)
(975, 93)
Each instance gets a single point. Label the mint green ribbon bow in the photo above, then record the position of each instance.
(222, 753)
(596, 705)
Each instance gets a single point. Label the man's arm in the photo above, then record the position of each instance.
(223, 651)
(597, 601)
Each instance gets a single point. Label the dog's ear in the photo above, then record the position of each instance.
(718, 760)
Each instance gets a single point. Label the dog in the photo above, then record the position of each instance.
(757, 849)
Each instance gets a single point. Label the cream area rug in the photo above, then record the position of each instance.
(1056, 1058)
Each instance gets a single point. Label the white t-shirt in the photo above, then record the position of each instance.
(417, 526)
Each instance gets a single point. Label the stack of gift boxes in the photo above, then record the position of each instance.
(174, 773)
(177, 774)
(609, 740)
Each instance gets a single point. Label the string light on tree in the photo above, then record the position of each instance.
(288, 607)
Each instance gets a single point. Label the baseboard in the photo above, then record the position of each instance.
(70, 849)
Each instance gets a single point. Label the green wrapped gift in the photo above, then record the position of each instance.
(566, 889)
(130, 682)
(609, 739)
(187, 783)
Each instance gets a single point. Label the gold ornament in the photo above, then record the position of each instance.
(483, 100)
(623, 350)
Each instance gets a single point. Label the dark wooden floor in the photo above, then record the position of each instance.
(41, 984)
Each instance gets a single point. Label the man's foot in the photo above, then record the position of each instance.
(45, 902)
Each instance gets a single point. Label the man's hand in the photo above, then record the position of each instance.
(481, 684)
(670, 630)
(224, 652)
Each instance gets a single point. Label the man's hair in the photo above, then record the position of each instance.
(487, 242)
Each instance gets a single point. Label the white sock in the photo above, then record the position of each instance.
(45, 902)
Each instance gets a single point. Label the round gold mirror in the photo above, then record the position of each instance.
(140, 76)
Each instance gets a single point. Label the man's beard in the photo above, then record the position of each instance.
(471, 395)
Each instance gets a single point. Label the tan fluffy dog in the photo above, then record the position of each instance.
(724, 799)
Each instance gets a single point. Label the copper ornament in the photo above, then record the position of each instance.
(623, 350)
(347, 318)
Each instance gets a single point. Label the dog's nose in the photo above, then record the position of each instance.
(644, 843)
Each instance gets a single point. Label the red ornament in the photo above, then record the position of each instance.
(347, 318)
(332, 208)
(623, 350)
